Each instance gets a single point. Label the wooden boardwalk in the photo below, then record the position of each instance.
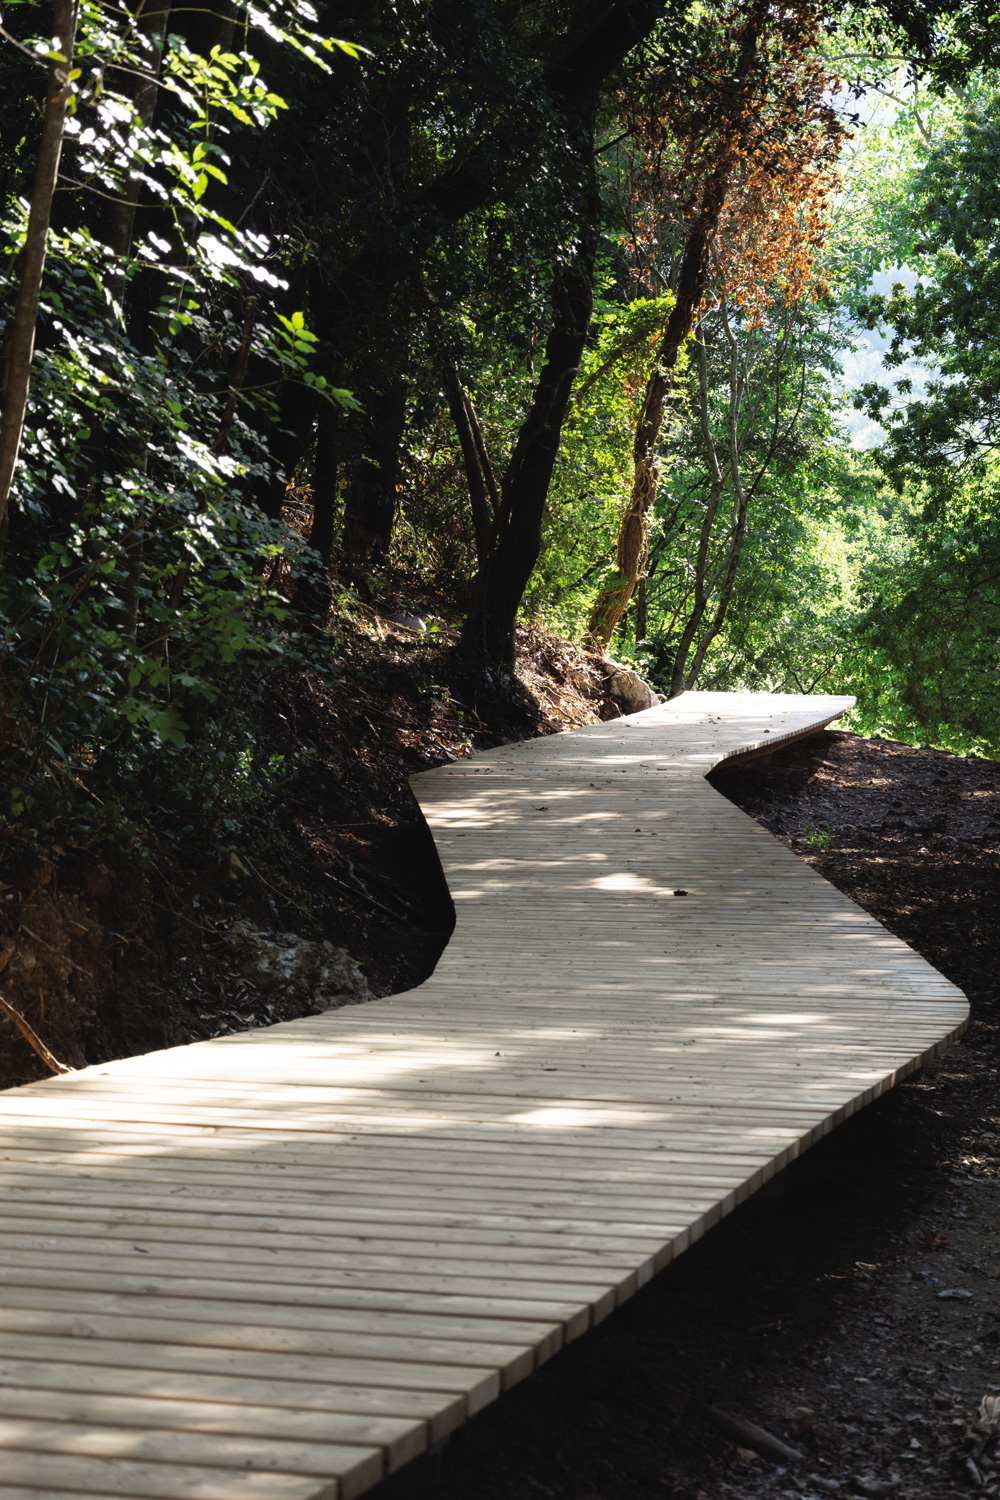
(278, 1265)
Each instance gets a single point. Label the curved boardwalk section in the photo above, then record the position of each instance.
(277, 1266)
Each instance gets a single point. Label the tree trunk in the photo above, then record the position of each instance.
(325, 485)
(238, 376)
(290, 437)
(702, 587)
(19, 340)
(313, 592)
(723, 576)
(483, 495)
(630, 553)
(488, 632)
(371, 499)
(743, 495)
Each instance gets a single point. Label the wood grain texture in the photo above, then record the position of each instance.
(280, 1264)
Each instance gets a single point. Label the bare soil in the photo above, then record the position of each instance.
(817, 1310)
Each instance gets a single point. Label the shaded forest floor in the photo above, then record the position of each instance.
(816, 1310)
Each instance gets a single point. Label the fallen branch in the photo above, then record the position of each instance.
(749, 1435)
(34, 1041)
(370, 900)
(61, 956)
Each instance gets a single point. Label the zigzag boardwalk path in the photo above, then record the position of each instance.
(277, 1266)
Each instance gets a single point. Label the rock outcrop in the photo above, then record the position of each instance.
(629, 689)
(283, 967)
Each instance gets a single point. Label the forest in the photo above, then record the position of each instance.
(541, 312)
(383, 383)
(377, 386)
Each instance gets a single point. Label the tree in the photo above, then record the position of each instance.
(947, 229)
(19, 335)
(488, 634)
(132, 566)
(465, 109)
(932, 616)
(739, 163)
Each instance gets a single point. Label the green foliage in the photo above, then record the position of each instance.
(137, 567)
(934, 621)
(876, 573)
(594, 472)
(948, 229)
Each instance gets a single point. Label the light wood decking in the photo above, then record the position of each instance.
(278, 1265)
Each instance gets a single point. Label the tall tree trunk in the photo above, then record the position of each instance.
(702, 585)
(630, 553)
(641, 610)
(314, 592)
(721, 579)
(370, 499)
(325, 476)
(289, 439)
(484, 499)
(488, 632)
(19, 340)
(238, 376)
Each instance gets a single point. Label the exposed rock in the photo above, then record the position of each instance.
(285, 967)
(628, 689)
(409, 622)
(587, 683)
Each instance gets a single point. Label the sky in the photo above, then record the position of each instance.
(867, 364)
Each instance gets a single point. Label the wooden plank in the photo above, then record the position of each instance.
(182, 1267)
(549, 1249)
(339, 1255)
(355, 1467)
(399, 1440)
(232, 1325)
(419, 1219)
(36, 1474)
(314, 1248)
(393, 1190)
(74, 1360)
(409, 1314)
(402, 1158)
(287, 1356)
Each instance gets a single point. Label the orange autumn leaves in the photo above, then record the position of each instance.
(752, 109)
